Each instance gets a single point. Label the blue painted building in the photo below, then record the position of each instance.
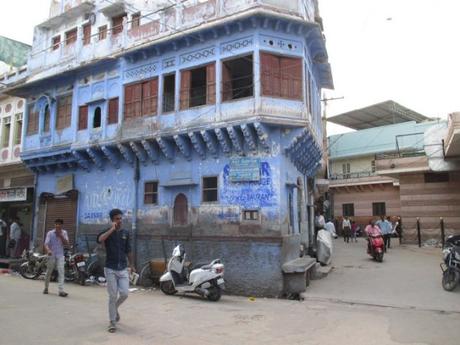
(200, 120)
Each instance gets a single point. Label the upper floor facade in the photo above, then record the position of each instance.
(264, 68)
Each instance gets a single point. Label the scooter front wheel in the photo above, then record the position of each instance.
(167, 287)
(215, 293)
(379, 257)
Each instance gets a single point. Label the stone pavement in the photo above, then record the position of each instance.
(409, 277)
(344, 308)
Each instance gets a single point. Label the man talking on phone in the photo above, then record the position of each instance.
(119, 257)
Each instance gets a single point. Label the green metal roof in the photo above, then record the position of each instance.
(385, 139)
(13, 52)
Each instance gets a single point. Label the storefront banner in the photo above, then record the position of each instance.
(13, 194)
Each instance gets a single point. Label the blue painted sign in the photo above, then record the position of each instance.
(250, 194)
(244, 169)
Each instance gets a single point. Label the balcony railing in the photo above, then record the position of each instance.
(157, 24)
(352, 175)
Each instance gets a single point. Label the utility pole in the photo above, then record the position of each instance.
(327, 195)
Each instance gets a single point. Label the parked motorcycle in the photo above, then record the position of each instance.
(451, 265)
(206, 281)
(75, 267)
(34, 265)
(376, 246)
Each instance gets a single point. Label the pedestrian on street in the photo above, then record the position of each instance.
(15, 236)
(346, 226)
(331, 228)
(119, 256)
(3, 235)
(385, 228)
(354, 229)
(55, 241)
(398, 229)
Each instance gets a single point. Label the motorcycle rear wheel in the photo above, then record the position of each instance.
(28, 271)
(449, 279)
(215, 293)
(167, 288)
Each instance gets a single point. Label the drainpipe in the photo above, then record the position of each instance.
(135, 208)
(33, 233)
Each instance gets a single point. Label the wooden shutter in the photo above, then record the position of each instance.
(137, 100)
(185, 89)
(227, 92)
(133, 100)
(117, 24)
(64, 112)
(83, 117)
(128, 108)
(71, 36)
(291, 78)
(32, 122)
(150, 97)
(211, 83)
(113, 111)
(270, 69)
(86, 34)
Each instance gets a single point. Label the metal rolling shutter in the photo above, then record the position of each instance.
(66, 209)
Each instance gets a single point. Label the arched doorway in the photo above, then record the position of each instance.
(180, 210)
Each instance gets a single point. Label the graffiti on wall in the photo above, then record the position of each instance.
(250, 194)
(97, 203)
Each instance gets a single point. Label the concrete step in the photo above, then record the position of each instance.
(320, 272)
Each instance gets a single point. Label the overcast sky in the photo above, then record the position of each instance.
(404, 50)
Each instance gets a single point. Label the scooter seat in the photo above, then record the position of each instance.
(206, 267)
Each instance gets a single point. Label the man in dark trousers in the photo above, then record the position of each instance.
(119, 257)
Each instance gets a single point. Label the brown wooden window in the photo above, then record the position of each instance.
(135, 20)
(348, 210)
(32, 121)
(151, 192)
(117, 24)
(210, 187)
(436, 177)
(56, 42)
(237, 78)
(64, 112)
(169, 92)
(281, 76)
(17, 136)
(83, 117)
(6, 133)
(113, 111)
(378, 209)
(141, 99)
(71, 37)
(86, 34)
(46, 119)
(97, 117)
(102, 32)
(198, 86)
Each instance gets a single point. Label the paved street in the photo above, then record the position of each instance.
(361, 302)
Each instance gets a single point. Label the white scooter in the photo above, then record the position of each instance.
(207, 281)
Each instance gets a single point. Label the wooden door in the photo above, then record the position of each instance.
(180, 210)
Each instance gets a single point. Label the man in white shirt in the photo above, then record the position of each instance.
(15, 234)
(346, 227)
(330, 227)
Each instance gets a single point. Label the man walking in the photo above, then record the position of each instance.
(119, 256)
(385, 228)
(15, 235)
(55, 241)
(346, 227)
